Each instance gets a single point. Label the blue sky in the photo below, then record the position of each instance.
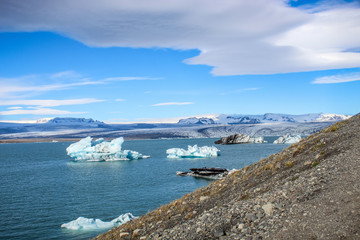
(137, 61)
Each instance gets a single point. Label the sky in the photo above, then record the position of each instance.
(160, 60)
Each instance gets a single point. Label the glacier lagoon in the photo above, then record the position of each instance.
(42, 188)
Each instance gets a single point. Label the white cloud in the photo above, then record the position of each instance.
(341, 78)
(171, 104)
(14, 108)
(11, 87)
(129, 78)
(31, 84)
(120, 100)
(38, 111)
(49, 102)
(234, 36)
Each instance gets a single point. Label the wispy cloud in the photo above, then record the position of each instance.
(31, 84)
(14, 108)
(120, 100)
(41, 106)
(50, 102)
(120, 79)
(38, 111)
(230, 37)
(171, 104)
(341, 78)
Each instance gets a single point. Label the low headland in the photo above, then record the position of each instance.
(310, 190)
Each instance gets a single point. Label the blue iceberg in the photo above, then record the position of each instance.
(193, 152)
(101, 150)
(288, 139)
(90, 224)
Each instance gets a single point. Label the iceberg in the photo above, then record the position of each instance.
(288, 139)
(100, 150)
(89, 224)
(193, 152)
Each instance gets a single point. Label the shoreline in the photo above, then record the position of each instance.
(40, 140)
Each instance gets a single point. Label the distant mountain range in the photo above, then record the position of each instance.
(218, 126)
(89, 122)
(266, 118)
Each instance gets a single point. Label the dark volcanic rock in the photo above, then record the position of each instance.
(310, 190)
(239, 139)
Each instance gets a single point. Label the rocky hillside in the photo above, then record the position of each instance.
(310, 190)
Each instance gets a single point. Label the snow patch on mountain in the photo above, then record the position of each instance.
(43, 120)
(89, 122)
(329, 117)
(194, 120)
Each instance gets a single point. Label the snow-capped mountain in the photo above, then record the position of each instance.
(43, 120)
(328, 117)
(88, 122)
(224, 119)
(213, 126)
(194, 120)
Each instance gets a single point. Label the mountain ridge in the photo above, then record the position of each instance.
(265, 118)
(274, 125)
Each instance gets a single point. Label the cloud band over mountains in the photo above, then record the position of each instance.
(234, 37)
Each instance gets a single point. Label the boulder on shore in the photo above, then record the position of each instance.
(239, 139)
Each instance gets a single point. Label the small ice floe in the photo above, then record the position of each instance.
(193, 152)
(209, 173)
(288, 139)
(90, 224)
(101, 150)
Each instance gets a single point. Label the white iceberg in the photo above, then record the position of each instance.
(193, 152)
(90, 224)
(288, 139)
(100, 150)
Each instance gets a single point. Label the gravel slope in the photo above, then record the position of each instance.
(310, 190)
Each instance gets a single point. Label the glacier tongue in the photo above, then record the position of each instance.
(100, 150)
(88, 224)
(193, 152)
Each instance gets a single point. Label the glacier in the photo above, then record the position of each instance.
(288, 139)
(89, 224)
(193, 152)
(101, 150)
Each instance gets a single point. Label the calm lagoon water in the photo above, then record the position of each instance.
(41, 188)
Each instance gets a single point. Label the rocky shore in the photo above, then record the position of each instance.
(310, 190)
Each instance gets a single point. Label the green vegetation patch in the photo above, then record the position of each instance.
(315, 163)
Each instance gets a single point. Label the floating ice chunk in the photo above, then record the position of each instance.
(100, 150)
(288, 139)
(193, 152)
(89, 224)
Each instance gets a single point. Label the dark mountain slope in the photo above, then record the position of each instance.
(310, 190)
